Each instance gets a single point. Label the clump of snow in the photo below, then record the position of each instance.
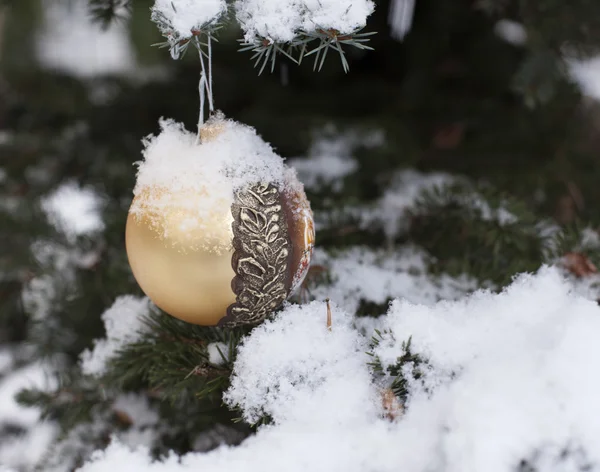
(137, 409)
(42, 292)
(590, 238)
(35, 375)
(521, 362)
(124, 325)
(330, 158)
(474, 201)
(144, 420)
(35, 441)
(218, 353)
(511, 31)
(74, 210)
(284, 20)
(511, 378)
(182, 17)
(586, 73)
(407, 187)
(324, 169)
(402, 195)
(293, 369)
(39, 294)
(234, 158)
(384, 275)
(200, 179)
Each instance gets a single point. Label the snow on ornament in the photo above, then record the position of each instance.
(220, 231)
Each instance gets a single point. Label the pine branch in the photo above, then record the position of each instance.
(395, 374)
(173, 361)
(477, 239)
(266, 51)
(75, 401)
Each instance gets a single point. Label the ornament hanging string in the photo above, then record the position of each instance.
(205, 86)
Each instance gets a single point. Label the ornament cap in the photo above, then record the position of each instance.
(213, 127)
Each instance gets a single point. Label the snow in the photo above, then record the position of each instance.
(522, 361)
(314, 372)
(392, 211)
(510, 378)
(74, 210)
(284, 20)
(123, 322)
(330, 158)
(216, 436)
(35, 375)
(6, 360)
(71, 42)
(218, 353)
(324, 169)
(200, 179)
(586, 73)
(384, 275)
(35, 441)
(137, 409)
(184, 16)
(405, 189)
(144, 420)
(39, 295)
(400, 17)
(511, 31)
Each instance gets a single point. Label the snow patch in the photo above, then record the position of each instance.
(330, 158)
(293, 369)
(511, 31)
(74, 210)
(35, 441)
(124, 325)
(35, 375)
(406, 187)
(510, 378)
(520, 363)
(218, 353)
(137, 409)
(384, 275)
(586, 73)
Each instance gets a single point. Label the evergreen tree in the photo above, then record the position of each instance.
(457, 154)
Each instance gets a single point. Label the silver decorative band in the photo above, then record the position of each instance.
(260, 259)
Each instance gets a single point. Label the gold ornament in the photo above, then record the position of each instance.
(233, 266)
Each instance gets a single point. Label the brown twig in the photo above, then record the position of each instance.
(391, 405)
(207, 371)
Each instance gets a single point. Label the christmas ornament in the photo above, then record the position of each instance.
(220, 230)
